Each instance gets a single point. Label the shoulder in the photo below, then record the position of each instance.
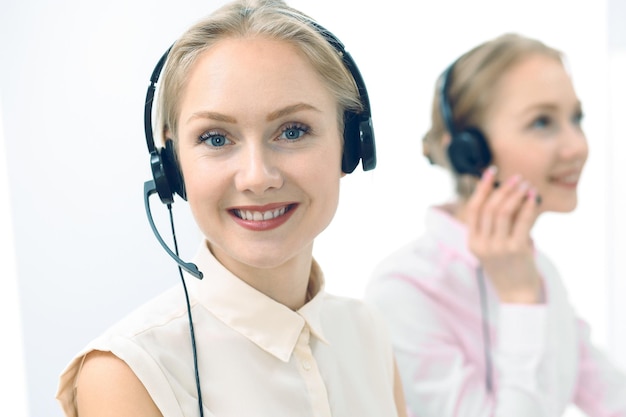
(160, 313)
(416, 257)
(134, 344)
(417, 267)
(106, 386)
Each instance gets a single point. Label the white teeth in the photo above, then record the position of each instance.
(258, 216)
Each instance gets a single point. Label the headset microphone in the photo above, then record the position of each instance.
(149, 188)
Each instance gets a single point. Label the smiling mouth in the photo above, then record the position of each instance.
(569, 180)
(257, 216)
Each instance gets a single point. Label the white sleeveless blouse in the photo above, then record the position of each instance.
(256, 357)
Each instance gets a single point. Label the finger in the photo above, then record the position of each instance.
(526, 216)
(475, 203)
(508, 210)
(495, 214)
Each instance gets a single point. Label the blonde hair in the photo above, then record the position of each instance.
(473, 84)
(272, 19)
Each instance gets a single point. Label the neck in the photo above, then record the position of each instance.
(286, 283)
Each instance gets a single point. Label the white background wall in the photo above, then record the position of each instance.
(12, 375)
(72, 83)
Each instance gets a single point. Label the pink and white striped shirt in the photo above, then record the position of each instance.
(457, 358)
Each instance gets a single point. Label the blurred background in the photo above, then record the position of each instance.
(77, 253)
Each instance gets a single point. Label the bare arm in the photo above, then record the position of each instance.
(398, 392)
(107, 387)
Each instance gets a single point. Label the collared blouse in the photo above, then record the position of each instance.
(256, 357)
(460, 352)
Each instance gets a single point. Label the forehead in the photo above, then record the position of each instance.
(535, 80)
(253, 70)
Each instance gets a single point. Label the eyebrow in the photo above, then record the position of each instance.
(545, 106)
(270, 117)
(289, 110)
(212, 115)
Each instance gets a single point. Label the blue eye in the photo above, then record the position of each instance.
(293, 132)
(541, 122)
(214, 139)
(578, 118)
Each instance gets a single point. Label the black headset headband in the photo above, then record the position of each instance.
(444, 103)
(359, 142)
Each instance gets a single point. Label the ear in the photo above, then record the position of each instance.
(446, 138)
(167, 134)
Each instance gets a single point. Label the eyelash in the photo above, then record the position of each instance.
(209, 136)
(541, 122)
(547, 121)
(294, 126)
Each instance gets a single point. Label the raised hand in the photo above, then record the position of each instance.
(499, 220)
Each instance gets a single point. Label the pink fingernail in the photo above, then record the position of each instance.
(532, 193)
(524, 185)
(490, 172)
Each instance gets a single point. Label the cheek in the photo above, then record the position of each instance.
(321, 177)
(517, 156)
(531, 169)
(201, 179)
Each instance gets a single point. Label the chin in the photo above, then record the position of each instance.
(562, 206)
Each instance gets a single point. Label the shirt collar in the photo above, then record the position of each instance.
(272, 326)
(312, 310)
(450, 233)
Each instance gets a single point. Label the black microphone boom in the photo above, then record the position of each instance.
(149, 188)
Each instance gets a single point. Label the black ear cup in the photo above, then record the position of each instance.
(358, 137)
(358, 144)
(351, 137)
(166, 174)
(368, 145)
(469, 153)
(468, 150)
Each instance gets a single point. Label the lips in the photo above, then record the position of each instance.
(263, 218)
(567, 179)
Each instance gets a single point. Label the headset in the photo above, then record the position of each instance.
(468, 150)
(167, 179)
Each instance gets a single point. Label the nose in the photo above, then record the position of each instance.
(257, 171)
(574, 144)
